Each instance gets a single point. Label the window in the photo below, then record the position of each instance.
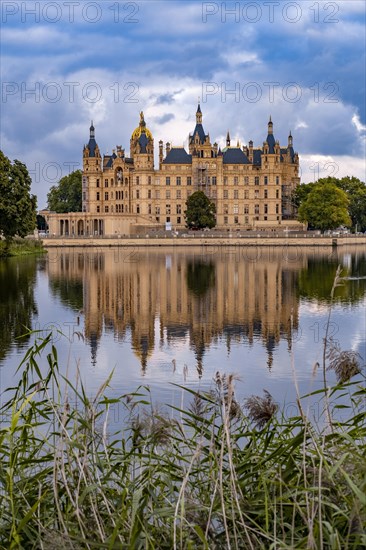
(277, 208)
(225, 180)
(167, 180)
(246, 180)
(167, 194)
(189, 180)
(236, 209)
(236, 219)
(246, 194)
(256, 180)
(149, 193)
(179, 180)
(256, 209)
(149, 208)
(137, 194)
(105, 196)
(265, 180)
(149, 180)
(179, 208)
(277, 180)
(137, 209)
(179, 219)
(98, 182)
(137, 180)
(106, 209)
(98, 208)
(256, 194)
(84, 196)
(246, 220)
(266, 208)
(226, 208)
(157, 210)
(266, 193)
(214, 180)
(167, 209)
(246, 208)
(112, 196)
(105, 183)
(168, 219)
(236, 180)
(226, 194)
(157, 181)
(157, 194)
(179, 194)
(98, 196)
(112, 208)
(225, 220)
(277, 194)
(236, 194)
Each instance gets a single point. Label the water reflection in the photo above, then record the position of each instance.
(316, 280)
(196, 297)
(17, 302)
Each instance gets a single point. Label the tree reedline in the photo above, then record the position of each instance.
(331, 202)
(218, 474)
(17, 205)
(200, 211)
(66, 196)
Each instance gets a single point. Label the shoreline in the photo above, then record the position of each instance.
(193, 241)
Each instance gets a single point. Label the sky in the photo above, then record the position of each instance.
(65, 63)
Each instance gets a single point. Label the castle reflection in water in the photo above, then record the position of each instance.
(195, 295)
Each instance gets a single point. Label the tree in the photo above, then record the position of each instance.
(326, 207)
(355, 190)
(67, 195)
(200, 211)
(17, 205)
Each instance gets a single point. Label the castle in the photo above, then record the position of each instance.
(121, 195)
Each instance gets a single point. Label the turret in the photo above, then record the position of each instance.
(199, 114)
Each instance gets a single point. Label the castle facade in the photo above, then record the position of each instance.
(251, 187)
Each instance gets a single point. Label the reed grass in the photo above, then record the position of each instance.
(21, 247)
(215, 475)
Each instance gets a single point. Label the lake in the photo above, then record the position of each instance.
(161, 316)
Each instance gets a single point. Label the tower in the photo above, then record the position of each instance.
(91, 173)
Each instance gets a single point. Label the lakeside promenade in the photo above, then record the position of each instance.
(200, 239)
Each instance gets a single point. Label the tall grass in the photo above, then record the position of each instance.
(216, 475)
(20, 247)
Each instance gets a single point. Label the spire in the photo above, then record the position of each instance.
(228, 139)
(92, 131)
(199, 113)
(290, 143)
(270, 126)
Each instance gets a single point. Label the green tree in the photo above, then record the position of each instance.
(326, 207)
(67, 195)
(355, 190)
(17, 205)
(200, 211)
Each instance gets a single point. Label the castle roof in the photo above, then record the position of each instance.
(235, 155)
(178, 155)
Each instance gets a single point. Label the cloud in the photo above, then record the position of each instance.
(164, 119)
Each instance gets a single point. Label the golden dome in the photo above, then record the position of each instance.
(141, 129)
